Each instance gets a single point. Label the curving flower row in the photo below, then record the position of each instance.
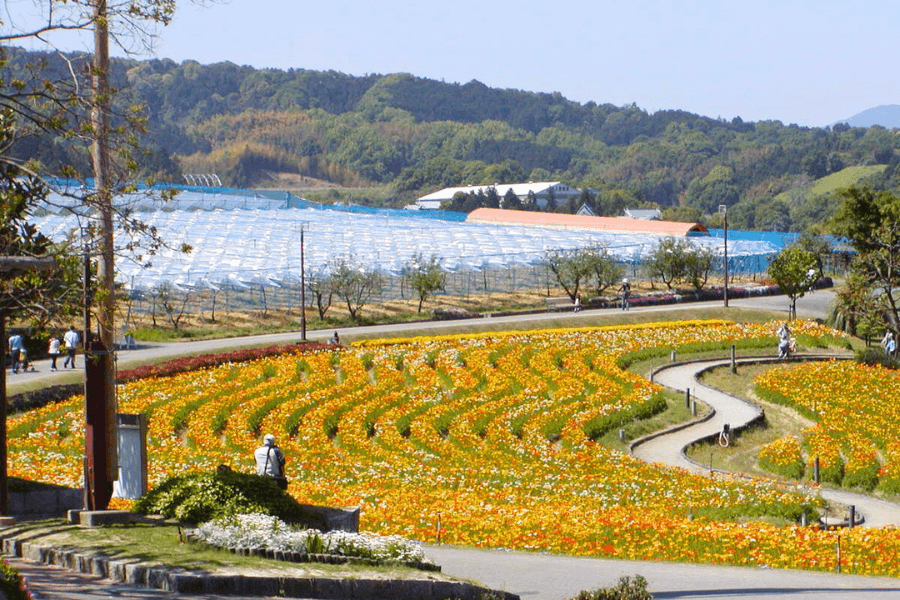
(855, 409)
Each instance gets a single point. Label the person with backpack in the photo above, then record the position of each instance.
(270, 461)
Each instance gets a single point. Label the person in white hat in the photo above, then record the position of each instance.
(625, 290)
(270, 461)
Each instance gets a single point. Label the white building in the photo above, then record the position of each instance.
(540, 189)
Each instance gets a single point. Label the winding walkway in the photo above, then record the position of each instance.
(669, 448)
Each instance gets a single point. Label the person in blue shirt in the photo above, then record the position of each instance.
(15, 344)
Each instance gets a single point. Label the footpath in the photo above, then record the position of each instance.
(669, 447)
(531, 576)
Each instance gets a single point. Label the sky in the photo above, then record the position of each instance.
(812, 63)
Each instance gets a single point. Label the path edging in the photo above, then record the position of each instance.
(187, 582)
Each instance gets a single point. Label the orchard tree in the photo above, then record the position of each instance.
(668, 261)
(698, 264)
(603, 268)
(795, 270)
(424, 276)
(571, 269)
(321, 285)
(355, 284)
(677, 260)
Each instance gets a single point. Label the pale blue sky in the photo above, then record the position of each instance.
(797, 61)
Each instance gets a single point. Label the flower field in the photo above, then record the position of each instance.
(479, 439)
(856, 412)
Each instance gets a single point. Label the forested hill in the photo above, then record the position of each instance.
(406, 136)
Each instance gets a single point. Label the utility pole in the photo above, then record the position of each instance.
(101, 467)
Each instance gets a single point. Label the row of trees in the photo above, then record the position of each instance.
(355, 285)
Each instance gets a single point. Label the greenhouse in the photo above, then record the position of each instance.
(250, 243)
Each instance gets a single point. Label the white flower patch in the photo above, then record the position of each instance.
(264, 531)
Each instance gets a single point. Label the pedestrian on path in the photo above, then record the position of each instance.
(625, 290)
(15, 345)
(72, 339)
(53, 350)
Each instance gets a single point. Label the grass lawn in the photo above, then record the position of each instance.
(161, 543)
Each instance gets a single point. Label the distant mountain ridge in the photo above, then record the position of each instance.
(886, 115)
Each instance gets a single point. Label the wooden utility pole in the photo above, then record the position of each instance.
(100, 391)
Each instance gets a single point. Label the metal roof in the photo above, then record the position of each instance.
(605, 224)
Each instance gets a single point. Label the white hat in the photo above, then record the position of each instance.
(625, 280)
(269, 439)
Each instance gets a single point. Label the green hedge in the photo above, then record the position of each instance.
(202, 497)
(599, 426)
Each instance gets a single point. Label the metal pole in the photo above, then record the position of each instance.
(302, 288)
(725, 230)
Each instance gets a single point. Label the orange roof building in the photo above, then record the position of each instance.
(627, 225)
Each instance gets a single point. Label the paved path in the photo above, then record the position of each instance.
(815, 305)
(546, 577)
(737, 412)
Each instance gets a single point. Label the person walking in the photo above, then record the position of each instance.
(53, 350)
(270, 461)
(15, 345)
(72, 339)
(889, 343)
(625, 290)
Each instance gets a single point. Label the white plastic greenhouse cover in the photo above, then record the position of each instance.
(262, 246)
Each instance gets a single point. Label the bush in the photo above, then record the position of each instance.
(866, 479)
(202, 497)
(13, 584)
(628, 588)
(877, 356)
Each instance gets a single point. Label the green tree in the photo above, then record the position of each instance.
(424, 276)
(683, 214)
(570, 267)
(603, 268)
(698, 264)
(39, 296)
(870, 221)
(795, 270)
(321, 285)
(668, 261)
(491, 198)
(355, 284)
(511, 200)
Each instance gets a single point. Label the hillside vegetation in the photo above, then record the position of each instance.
(404, 136)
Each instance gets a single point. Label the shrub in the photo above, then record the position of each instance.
(628, 588)
(201, 497)
(12, 584)
(877, 356)
(865, 478)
